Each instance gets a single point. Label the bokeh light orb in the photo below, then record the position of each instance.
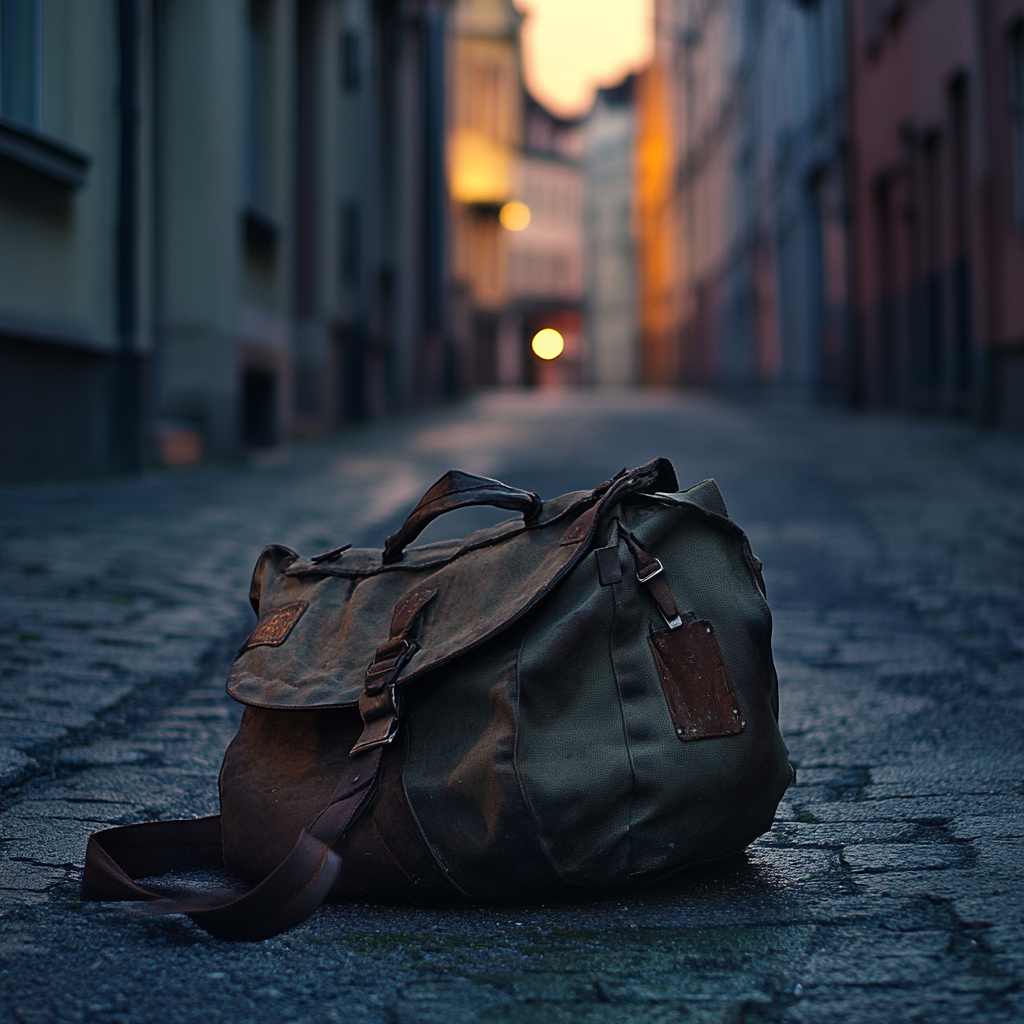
(547, 344)
(514, 216)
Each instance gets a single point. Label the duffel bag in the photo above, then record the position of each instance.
(579, 698)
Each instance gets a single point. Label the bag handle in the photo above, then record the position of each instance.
(458, 490)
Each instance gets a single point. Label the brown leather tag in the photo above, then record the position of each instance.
(274, 626)
(696, 681)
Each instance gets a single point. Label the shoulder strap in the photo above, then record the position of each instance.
(116, 857)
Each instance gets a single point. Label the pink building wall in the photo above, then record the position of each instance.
(938, 255)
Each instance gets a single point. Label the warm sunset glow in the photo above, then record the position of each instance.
(515, 216)
(570, 47)
(547, 344)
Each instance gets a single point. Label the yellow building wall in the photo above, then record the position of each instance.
(484, 138)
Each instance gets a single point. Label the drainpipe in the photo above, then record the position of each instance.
(127, 396)
(433, 166)
(988, 92)
(856, 355)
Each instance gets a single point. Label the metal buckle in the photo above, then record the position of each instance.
(383, 670)
(652, 570)
(381, 713)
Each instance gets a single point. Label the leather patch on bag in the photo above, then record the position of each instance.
(698, 688)
(273, 628)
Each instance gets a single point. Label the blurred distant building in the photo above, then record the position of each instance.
(830, 200)
(221, 224)
(798, 271)
(741, 195)
(610, 189)
(546, 256)
(485, 138)
(938, 170)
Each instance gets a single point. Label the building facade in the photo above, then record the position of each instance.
(485, 140)
(829, 201)
(741, 195)
(546, 256)
(221, 224)
(610, 249)
(937, 99)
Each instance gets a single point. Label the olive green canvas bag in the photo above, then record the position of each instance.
(579, 698)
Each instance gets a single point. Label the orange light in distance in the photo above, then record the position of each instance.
(514, 216)
(547, 344)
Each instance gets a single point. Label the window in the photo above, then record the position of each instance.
(21, 39)
(1017, 116)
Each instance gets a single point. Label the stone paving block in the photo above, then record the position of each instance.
(57, 842)
(27, 876)
(974, 773)
(13, 763)
(96, 812)
(930, 884)
(875, 858)
(101, 754)
(789, 866)
(834, 836)
(943, 808)
(989, 826)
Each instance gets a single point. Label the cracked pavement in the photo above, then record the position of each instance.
(890, 888)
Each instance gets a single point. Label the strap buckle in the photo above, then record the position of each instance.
(390, 659)
(649, 571)
(381, 712)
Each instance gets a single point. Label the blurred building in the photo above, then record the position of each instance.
(799, 264)
(485, 139)
(610, 250)
(830, 200)
(546, 255)
(938, 170)
(741, 195)
(221, 224)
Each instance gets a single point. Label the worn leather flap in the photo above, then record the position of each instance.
(483, 584)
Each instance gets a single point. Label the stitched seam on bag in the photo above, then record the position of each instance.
(390, 852)
(527, 806)
(419, 831)
(432, 852)
(618, 594)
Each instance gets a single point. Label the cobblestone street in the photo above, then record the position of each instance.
(891, 887)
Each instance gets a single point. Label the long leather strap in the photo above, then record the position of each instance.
(117, 856)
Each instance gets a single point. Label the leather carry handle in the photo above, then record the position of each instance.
(458, 490)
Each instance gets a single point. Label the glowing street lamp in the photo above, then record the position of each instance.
(514, 216)
(547, 344)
